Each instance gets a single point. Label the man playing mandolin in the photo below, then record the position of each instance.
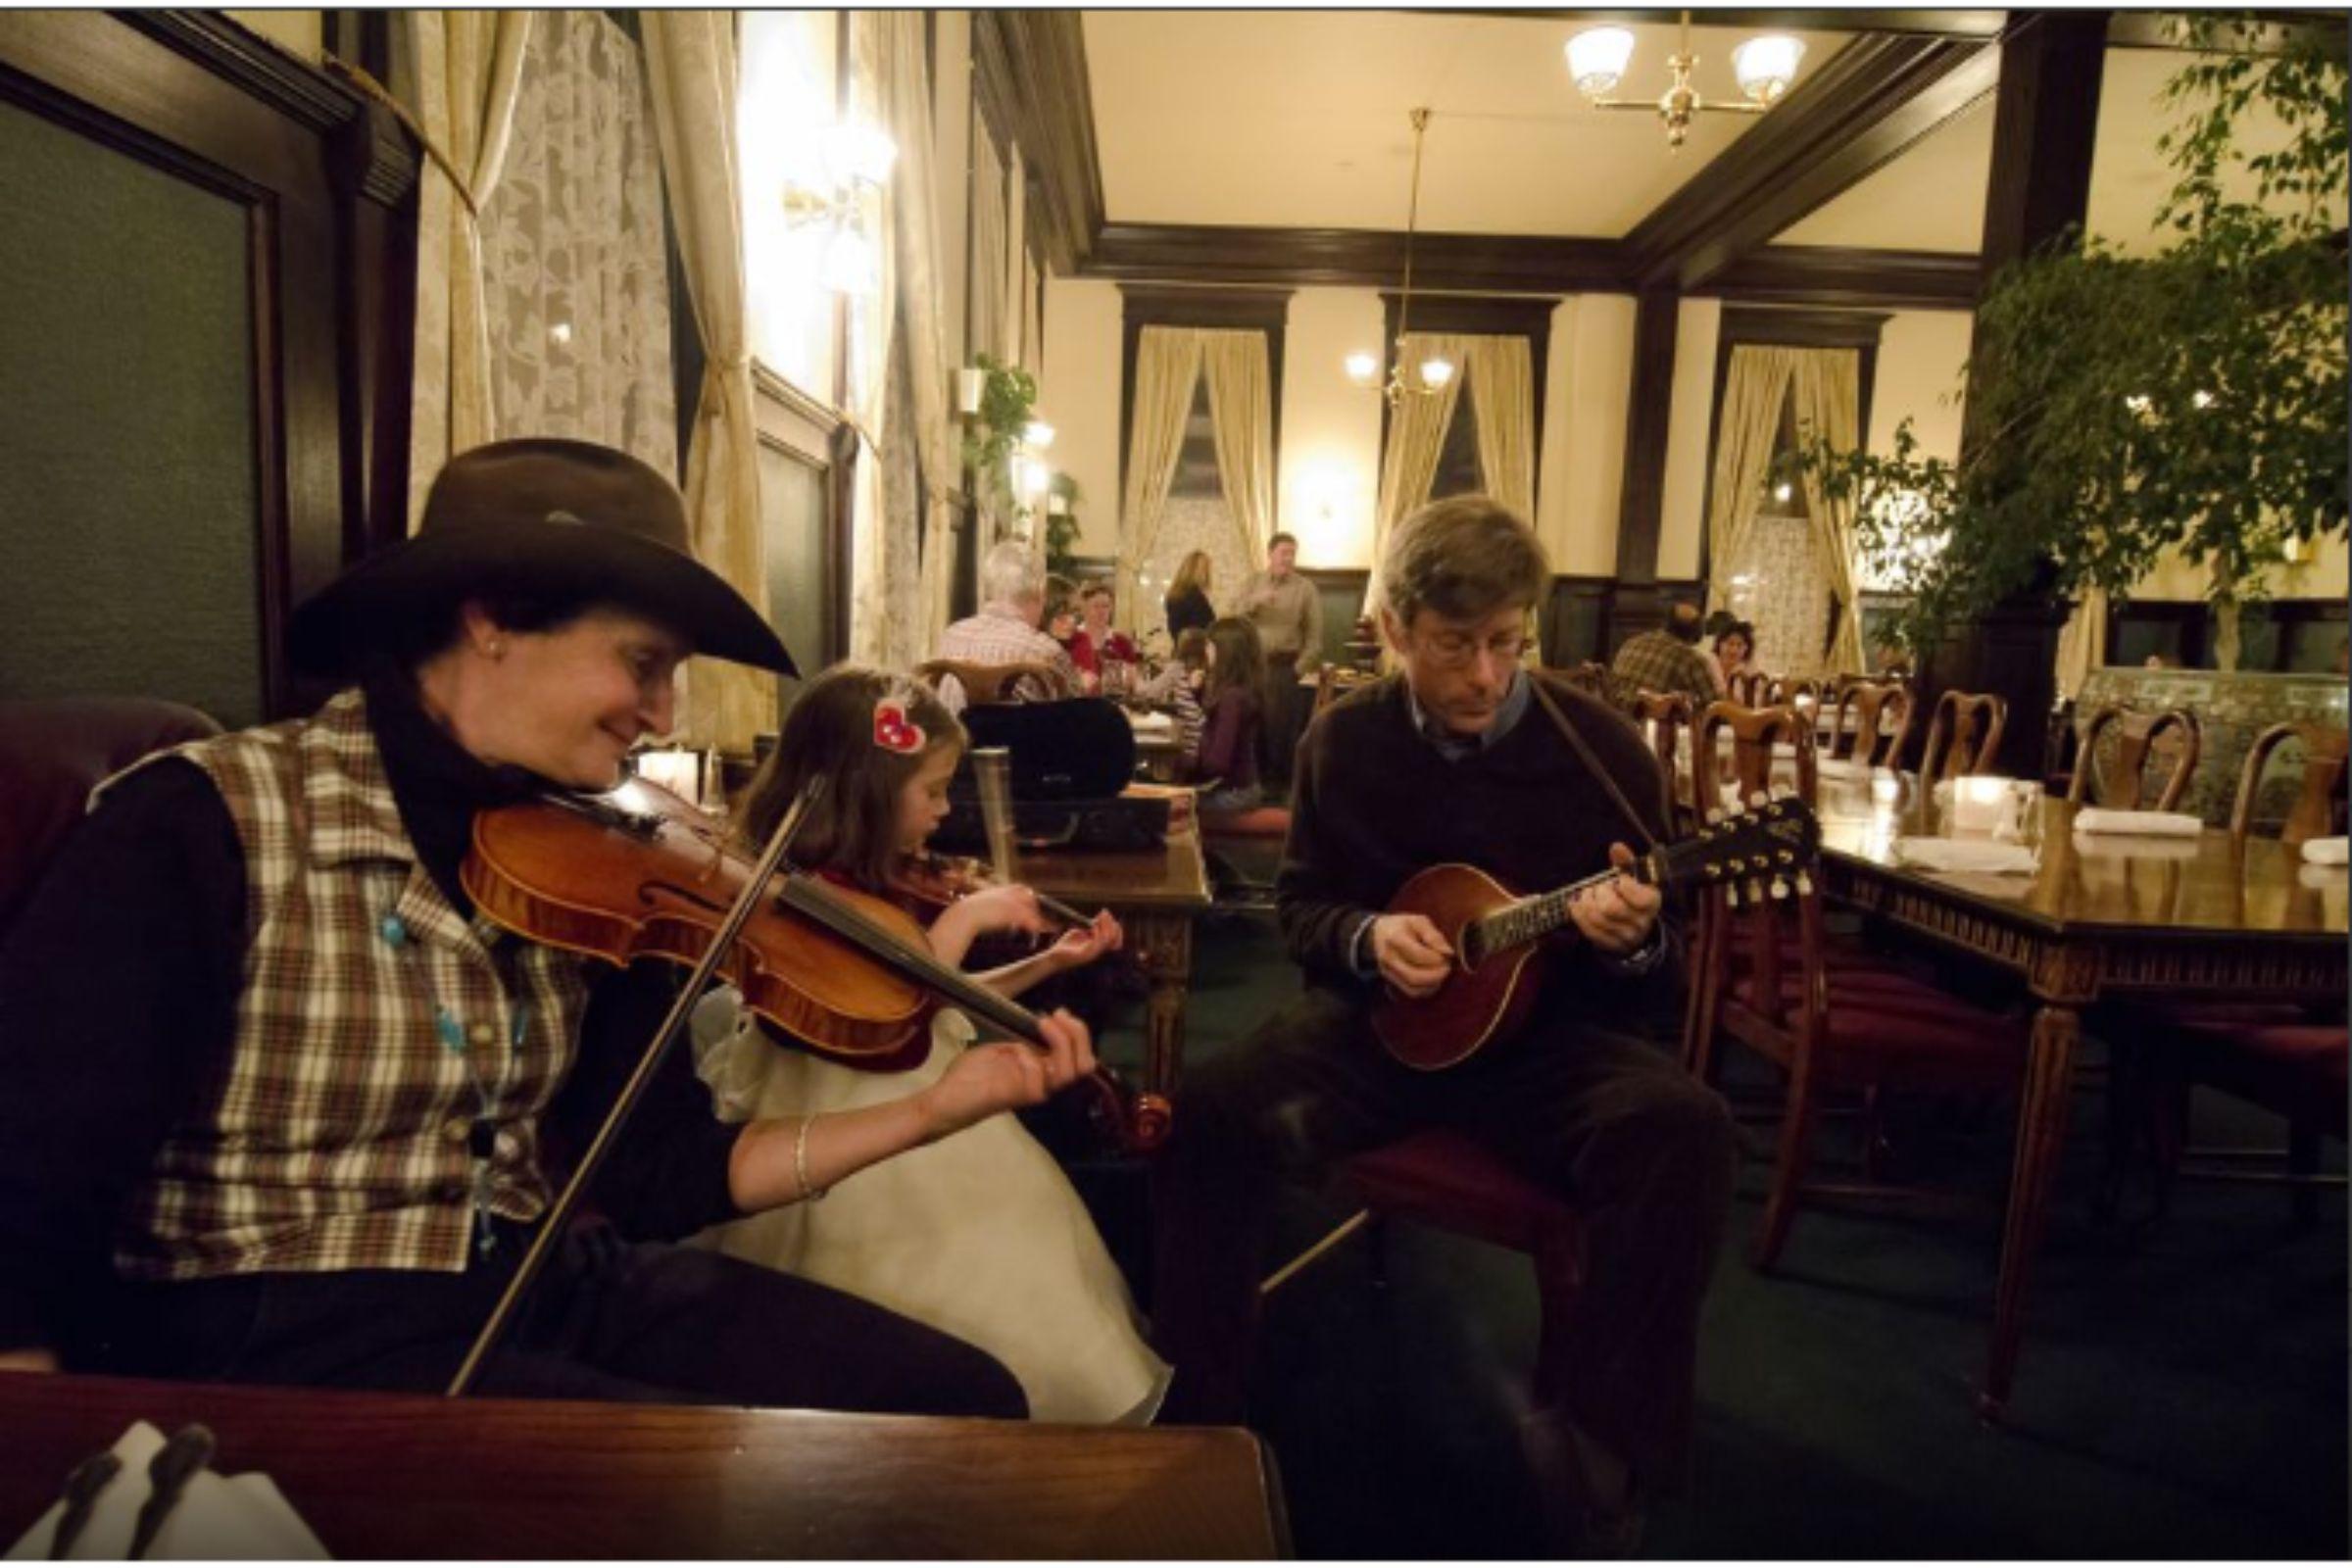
(1463, 758)
(282, 1105)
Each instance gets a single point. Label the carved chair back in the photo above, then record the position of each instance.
(2318, 800)
(1964, 737)
(2139, 739)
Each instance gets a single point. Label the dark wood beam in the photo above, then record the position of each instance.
(1875, 99)
(1029, 71)
(1849, 278)
(1642, 500)
(1919, 23)
(1360, 257)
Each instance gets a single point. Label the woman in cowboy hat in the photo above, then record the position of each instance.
(276, 1097)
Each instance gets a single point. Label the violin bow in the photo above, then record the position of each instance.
(559, 1213)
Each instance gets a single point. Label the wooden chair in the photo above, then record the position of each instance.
(1964, 737)
(1751, 688)
(1591, 679)
(1882, 714)
(984, 684)
(1770, 978)
(2288, 1060)
(2136, 743)
(1664, 719)
(2318, 801)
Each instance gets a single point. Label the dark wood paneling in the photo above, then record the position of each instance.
(1029, 72)
(1357, 257)
(2045, 121)
(1640, 606)
(1244, 309)
(1959, 24)
(1642, 500)
(1343, 590)
(1576, 621)
(1849, 278)
(1877, 97)
(330, 190)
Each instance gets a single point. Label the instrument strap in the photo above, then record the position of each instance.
(1583, 752)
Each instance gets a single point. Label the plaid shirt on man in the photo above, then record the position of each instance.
(1657, 662)
(340, 1138)
(1001, 635)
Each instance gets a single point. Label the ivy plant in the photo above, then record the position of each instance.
(1008, 403)
(2123, 406)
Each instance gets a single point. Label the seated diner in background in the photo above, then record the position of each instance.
(1735, 652)
(1232, 702)
(1665, 659)
(1094, 646)
(1005, 629)
(284, 1108)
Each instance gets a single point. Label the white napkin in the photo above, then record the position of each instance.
(2328, 851)
(2165, 824)
(1841, 766)
(1151, 724)
(222, 1518)
(1964, 854)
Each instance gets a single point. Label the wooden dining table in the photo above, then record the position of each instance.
(387, 1475)
(2102, 916)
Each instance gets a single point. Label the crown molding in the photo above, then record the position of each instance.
(1848, 277)
(1875, 98)
(1029, 70)
(1358, 258)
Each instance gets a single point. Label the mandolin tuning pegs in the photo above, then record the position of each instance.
(1804, 883)
(1780, 889)
(1730, 895)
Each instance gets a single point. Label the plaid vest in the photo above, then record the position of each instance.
(340, 1137)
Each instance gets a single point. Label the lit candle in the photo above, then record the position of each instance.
(1884, 788)
(677, 771)
(1978, 803)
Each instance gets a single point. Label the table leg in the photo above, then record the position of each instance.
(1163, 940)
(2040, 1135)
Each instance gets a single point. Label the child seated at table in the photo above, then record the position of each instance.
(979, 1234)
(1234, 710)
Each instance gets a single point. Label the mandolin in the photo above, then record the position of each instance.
(1495, 934)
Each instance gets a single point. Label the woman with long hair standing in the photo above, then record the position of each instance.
(1188, 602)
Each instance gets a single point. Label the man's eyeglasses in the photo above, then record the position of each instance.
(1455, 651)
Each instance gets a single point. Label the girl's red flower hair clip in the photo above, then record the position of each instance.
(894, 731)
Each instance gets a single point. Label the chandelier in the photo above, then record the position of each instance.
(1765, 64)
(1435, 372)
(856, 161)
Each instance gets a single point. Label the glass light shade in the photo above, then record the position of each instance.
(850, 265)
(1435, 372)
(1037, 433)
(1766, 64)
(1598, 58)
(859, 155)
(1035, 478)
(1364, 369)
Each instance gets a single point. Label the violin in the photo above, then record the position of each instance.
(641, 873)
(934, 881)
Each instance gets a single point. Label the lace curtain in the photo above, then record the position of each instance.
(576, 279)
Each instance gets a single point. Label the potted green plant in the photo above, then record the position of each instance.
(1007, 404)
(2121, 406)
(1062, 524)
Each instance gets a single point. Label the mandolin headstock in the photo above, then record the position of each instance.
(1764, 850)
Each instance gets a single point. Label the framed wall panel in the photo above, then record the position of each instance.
(205, 288)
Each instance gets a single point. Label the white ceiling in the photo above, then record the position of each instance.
(1299, 120)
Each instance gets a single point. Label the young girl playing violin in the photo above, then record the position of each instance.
(980, 1233)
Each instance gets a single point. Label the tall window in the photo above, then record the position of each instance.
(1458, 470)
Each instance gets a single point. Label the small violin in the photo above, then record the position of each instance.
(641, 873)
(935, 881)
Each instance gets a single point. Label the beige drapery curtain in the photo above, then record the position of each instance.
(1241, 407)
(690, 65)
(1826, 386)
(1167, 367)
(1416, 440)
(1502, 400)
(462, 75)
(1755, 389)
(2082, 642)
(983, 288)
(883, 572)
(915, 245)
(1012, 316)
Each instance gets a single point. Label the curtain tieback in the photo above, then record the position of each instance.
(369, 88)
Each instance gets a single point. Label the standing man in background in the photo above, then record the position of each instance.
(1287, 612)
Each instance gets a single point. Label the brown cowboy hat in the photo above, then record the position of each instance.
(554, 514)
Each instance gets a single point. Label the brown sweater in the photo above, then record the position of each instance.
(1375, 801)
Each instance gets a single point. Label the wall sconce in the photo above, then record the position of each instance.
(1037, 435)
(858, 160)
(970, 383)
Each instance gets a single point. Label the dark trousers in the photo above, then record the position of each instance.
(1644, 1153)
(1285, 715)
(606, 1320)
